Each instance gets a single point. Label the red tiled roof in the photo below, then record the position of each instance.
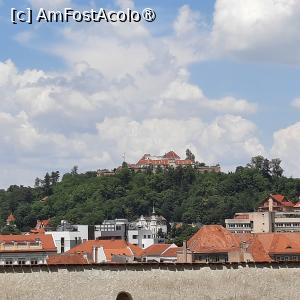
(213, 238)
(255, 247)
(278, 197)
(297, 204)
(156, 249)
(122, 251)
(285, 244)
(111, 246)
(171, 252)
(171, 155)
(11, 218)
(280, 243)
(67, 259)
(46, 242)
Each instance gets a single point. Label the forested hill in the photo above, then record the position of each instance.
(180, 195)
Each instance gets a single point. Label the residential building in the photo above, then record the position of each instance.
(67, 236)
(10, 221)
(272, 246)
(156, 224)
(275, 214)
(170, 159)
(112, 229)
(143, 232)
(41, 226)
(211, 244)
(32, 249)
(108, 251)
(160, 253)
(141, 237)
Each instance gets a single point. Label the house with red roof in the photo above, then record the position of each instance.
(160, 253)
(169, 159)
(31, 249)
(108, 251)
(211, 244)
(276, 213)
(11, 219)
(276, 202)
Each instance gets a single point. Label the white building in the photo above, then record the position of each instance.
(141, 237)
(68, 236)
(156, 224)
(31, 249)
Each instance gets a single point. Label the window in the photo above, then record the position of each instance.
(62, 245)
(134, 236)
(144, 236)
(149, 236)
(9, 262)
(34, 261)
(118, 227)
(21, 261)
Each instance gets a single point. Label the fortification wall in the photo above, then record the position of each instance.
(270, 281)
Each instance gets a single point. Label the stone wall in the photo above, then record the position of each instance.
(264, 281)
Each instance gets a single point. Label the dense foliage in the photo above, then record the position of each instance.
(181, 195)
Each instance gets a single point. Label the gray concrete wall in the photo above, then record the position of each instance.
(152, 282)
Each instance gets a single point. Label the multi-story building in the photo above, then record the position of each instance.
(170, 159)
(215, 244)
(31, 249)
(144, 232)
(67, 236)
(275, 214)
(112, 229)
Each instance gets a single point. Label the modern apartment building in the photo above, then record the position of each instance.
(275, 214)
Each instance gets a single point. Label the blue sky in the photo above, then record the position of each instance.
(220, 77)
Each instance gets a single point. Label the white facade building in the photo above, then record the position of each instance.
(68, 236)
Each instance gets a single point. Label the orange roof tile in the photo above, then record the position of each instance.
(213, 238)
(156, 249)
(109, 246)
(171, 155)
(254, 247)
(67, 259)
(46, 242)
(278, 197)
(171, 252)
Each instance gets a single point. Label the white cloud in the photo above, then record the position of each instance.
(296, 103)
(225, 138)
(254, 29)
(249, 30)
(286, 145)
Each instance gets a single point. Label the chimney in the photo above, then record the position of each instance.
(95, 254)
(270, 204)
(184, 251)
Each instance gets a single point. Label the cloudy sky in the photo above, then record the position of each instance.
(219, 77)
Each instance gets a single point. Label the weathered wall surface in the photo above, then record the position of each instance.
(155, 282)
